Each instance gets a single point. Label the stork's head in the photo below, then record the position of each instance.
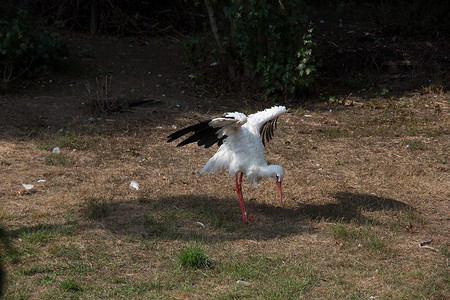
(277, 172)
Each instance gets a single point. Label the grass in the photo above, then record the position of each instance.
(218, 221)
(405, 220)
(444, 251)
(36, 269)
(57, 159)
(359, 236)
(268, 277)
(96, 208)
(155, 228)
(62, 140)
(381, 129)
(71, 285)
(194, 257)
(414, 145)
(85, 234)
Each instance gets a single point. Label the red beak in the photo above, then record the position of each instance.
(279, 191)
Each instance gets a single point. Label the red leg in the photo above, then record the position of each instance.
(239, 194)
(245, 217)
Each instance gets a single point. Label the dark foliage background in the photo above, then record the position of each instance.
(30, 42)
(153, 17)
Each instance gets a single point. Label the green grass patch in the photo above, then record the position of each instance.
(79, 267)
(43, 233)
(57, 159)
(361, 235)
(267, 277)
(37, 269)
(71, 285)
(194, 257)
(96, 208)
(156, 228)
(413, 145)
(70, 251)
(151, 289)
(398, 126)
(422, 282)
(62, 140)
(223, 222)
(405, 219)
(334, 132)
(33, 238)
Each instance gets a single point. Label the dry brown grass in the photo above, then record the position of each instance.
(363, 186)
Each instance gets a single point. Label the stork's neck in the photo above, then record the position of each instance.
(268, 171)
(264, 171)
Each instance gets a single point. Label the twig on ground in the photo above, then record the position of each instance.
(424, 245)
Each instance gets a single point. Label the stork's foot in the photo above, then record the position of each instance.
(248, 220)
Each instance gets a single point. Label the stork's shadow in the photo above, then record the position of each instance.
(350, 207)
(190, 217)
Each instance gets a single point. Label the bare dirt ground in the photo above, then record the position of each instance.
(365, 183)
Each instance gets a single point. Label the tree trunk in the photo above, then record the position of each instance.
(212, 21)
(94, 26)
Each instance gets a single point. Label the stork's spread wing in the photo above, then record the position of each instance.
(212, 131)
(266, 121)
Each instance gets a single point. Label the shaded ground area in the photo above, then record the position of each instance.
(366, 181)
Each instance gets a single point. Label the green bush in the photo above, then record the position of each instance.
(27, 48)
(274, 40)
(268, 41)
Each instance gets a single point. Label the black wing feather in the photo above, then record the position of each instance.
(267, 130)
(183, 131)
(204, 135)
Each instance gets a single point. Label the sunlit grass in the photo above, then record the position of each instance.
(147, 244)
(363, 236)
(195, 257)
(57, 159)
(71, 285)
(62, 140)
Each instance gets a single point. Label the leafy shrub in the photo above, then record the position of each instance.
(196, 47)
(270, 41)
(26, 46)
(273, 39)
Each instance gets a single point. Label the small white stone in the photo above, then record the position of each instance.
(56, 150)
(134, 185)
(27, 186)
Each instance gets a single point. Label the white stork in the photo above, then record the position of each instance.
(241, 141)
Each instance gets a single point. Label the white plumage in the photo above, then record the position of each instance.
(241, 141)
